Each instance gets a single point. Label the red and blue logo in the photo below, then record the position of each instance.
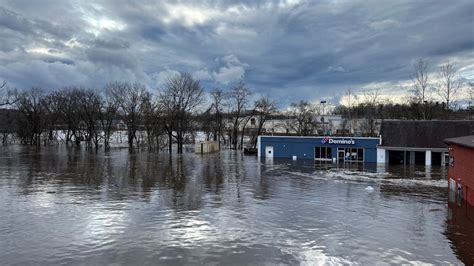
(325, 140)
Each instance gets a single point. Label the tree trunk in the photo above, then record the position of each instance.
(170, 142)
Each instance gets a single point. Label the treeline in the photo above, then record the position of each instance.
(171, 116)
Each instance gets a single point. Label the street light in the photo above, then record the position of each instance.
(324, 127)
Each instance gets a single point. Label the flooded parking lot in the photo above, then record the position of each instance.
(65, 205)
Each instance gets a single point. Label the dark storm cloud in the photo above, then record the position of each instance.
(309, 49)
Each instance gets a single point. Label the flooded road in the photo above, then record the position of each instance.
(72, 206)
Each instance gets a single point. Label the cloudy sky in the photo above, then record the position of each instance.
(290, 50)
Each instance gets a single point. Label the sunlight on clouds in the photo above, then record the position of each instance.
(40, 51)
(100, 24)
(188, 15)
(72, 43)
(288, 3)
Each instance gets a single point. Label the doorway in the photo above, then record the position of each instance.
(268, 151)
(340, 154)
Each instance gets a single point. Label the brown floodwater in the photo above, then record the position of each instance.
(73, 206)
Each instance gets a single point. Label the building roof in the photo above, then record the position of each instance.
(466, 141)
(423, 133)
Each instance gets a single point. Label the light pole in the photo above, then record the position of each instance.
(322, 120)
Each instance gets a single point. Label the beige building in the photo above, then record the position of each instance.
(206, 147)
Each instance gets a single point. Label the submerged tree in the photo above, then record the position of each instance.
(181, 97)
(238, 104)
(31, 120)
(131, 97)
(88, 107)
(109, 106)
(213, 123)
(264, 108)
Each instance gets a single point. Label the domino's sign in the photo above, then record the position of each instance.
(328, 140)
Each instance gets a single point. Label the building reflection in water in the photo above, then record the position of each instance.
(460, 228)
(201, 197)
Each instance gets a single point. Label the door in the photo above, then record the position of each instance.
(268, 151)
(340, 154)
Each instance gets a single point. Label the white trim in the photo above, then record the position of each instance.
(427, 157)
(381, 155)
(259, 152)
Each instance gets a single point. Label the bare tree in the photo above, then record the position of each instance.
(30, 105)
(88, 106)
(420, 79)
(449, 85)
(350, 101)
(371, 101)
(153, 121)
(238, 104)
(131, 98)
(182, 96)
(303, 113)
(6, 95)
(421, 87)
(109, 107)
(8, 119)
(52, 104)
(213, 117)
(70, 115)
(264, 108)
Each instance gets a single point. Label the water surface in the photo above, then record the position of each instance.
(65, 205)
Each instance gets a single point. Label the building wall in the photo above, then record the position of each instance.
(206, 147)
(462, 169)
(303, 147)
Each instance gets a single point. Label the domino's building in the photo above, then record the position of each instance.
(331, 149)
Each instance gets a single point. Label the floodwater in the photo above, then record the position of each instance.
(73, 206)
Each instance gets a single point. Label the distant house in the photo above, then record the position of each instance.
(461, 167)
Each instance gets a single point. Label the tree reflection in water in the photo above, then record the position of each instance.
(221, 208)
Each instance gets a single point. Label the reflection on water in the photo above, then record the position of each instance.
(460, 228)
(67, 205)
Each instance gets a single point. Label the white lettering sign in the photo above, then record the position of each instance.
(342, 141)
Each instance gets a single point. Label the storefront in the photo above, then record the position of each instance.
(331, 149)
(419, 142)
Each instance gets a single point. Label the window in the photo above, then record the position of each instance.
(451, 161)
(452, 184)
(252, 121)
(343, 154)
(354, 154)
(323, 153)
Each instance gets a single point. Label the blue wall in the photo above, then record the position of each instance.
(303, 147)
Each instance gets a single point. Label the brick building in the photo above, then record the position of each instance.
(461, 167)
